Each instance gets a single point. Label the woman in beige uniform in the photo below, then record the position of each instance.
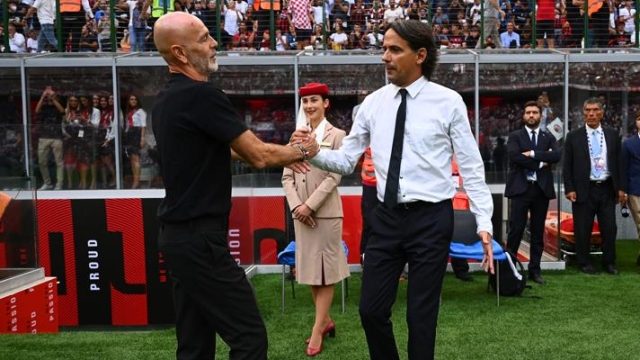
(317, 213)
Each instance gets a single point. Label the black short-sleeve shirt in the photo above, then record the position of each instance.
(194, 122)
(50, 122)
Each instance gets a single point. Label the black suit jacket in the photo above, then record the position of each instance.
(576, 164)
(547, 150)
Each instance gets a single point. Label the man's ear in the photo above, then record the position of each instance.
(422, 55)
(179, 53)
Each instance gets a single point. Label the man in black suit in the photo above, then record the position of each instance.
(592, 182)
(530, 184)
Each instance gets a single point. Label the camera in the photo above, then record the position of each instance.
(624, 211)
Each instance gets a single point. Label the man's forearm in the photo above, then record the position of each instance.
(269, 155)
(326, 161)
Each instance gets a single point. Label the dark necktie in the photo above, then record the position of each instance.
(531, 173)
(393, 175)
(533, 139)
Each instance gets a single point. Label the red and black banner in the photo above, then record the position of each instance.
(105, 256)
(104, 252)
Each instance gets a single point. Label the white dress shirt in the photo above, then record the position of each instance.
(436, 126)
(533, 176)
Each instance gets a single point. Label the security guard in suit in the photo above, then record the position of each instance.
(530, 184)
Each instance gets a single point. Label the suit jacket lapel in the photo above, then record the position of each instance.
(327, 131)
(583, 142)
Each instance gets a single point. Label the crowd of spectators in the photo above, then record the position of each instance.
(72, 137)
(239, 25)
(333, 24)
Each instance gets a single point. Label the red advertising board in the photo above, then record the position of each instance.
(105, 254)
(30, 309)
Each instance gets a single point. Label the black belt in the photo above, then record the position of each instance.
(200, 223)
(599, 182)
(409, 205)
(414, 205)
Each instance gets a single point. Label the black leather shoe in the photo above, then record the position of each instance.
(610, 269)
(464, 276)
(589, 269)
(536, 278)
(638, 260)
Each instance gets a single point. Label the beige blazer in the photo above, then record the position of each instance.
(317, 188)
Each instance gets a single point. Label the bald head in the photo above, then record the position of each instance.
(186, 45)
(174, 28)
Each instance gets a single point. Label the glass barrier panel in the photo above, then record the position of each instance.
(72, 136)
(137, 88)
(12, 139)
(504, 90)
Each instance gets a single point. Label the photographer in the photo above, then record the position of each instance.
(49, 114)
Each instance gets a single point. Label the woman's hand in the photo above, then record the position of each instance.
(304, 214)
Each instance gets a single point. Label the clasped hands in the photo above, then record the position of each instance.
(304, 214)
(306, 139)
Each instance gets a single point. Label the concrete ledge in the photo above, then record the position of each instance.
(16, 278)
(254, 270)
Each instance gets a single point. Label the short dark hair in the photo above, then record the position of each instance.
(533, 103)
(593, 101)
(419, 35)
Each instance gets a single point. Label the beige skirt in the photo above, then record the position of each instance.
(319, 252)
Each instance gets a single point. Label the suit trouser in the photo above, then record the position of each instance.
(419, 235)
(634, 205)
(601, 203)
(459, 265)
(368, 204)
(211, 292)
(533, 202)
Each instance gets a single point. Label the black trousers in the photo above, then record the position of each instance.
(419, 235)
(211, 292)
(531, 205)
(600, 203)
(459, 265)
(368, 204)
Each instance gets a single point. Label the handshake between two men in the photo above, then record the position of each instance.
(305, 140)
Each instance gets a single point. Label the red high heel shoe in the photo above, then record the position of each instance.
(313, 351)
(330, 330)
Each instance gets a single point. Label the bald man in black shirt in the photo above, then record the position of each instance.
(198, 131)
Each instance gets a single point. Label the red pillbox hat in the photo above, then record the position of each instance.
(314, 89)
